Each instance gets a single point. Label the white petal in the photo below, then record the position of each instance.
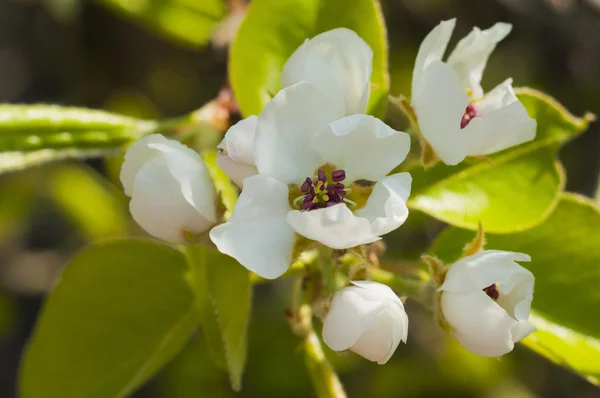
(503, 123)
(478, 323)
(440, 104)
(166, 204)
(432, 49)
(339, 62)
(485, 268)
(257, 234)
(364, 146)
(285, 129)
(334, 226)
(239, 139)
(521, 330)
(377, 343)
(349, 316)
(386, 207)
(470, 56)
(375, 291)
(145, 149)
(236, 171)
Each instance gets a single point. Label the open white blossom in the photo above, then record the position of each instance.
(338, 62)
(454, 114)
(170, 188)
(322, 175)
(486, 299)
(367, 318)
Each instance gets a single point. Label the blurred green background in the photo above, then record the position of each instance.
(105, 54)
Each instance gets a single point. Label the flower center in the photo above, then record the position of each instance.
(318, 192)
(492, 292)
(470, 113)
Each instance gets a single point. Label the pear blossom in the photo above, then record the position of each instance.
(454, 114)
(367, 318)
(338, 62)
(170, 188)
(322, 176)
(486, 299)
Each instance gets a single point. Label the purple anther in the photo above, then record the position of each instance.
(306, 185)
(492, 291)
(330, 203)
(321, 176)
(338, 175)
(470, 113)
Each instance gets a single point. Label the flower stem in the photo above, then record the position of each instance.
(420, 290)
(324, 379)
(327, 266)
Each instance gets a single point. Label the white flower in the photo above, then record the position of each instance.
(312, 163)
(170, 188)
(486, 299)
(367, 318)
(454, 115)
(339, 62)
(236, 151)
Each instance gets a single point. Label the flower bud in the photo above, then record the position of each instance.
(170, 187)
(486, 299)
(236, 158)
(367, 318)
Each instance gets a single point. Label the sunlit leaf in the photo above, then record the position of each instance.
(120, 311)
(565, 253)
(187, 22)
(272, 31)
(511, 191)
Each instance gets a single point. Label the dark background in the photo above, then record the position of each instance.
(80, 53)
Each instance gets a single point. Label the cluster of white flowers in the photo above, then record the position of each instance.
(313, 167)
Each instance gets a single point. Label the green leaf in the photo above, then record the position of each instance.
(273, 30)
(90, 202)
(226, 308)
(120, 311)
(187, 22)
(35, 134)
(565, 253)
(513, 190)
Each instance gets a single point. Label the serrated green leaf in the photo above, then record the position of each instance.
(34, 134)
(273, 30)
(187, 22)
(120, 311)
(513, 190)
(226, 308)
(565, 259)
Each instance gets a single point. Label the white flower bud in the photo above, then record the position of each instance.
(486, 300)
(170, 188)
(367, 318)
(236, 158)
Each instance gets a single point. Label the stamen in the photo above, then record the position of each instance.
(492, 292)
(306, 185)
(319, 193)
(470, 113)
(321, 176)
(351, 203)
(338, 175)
